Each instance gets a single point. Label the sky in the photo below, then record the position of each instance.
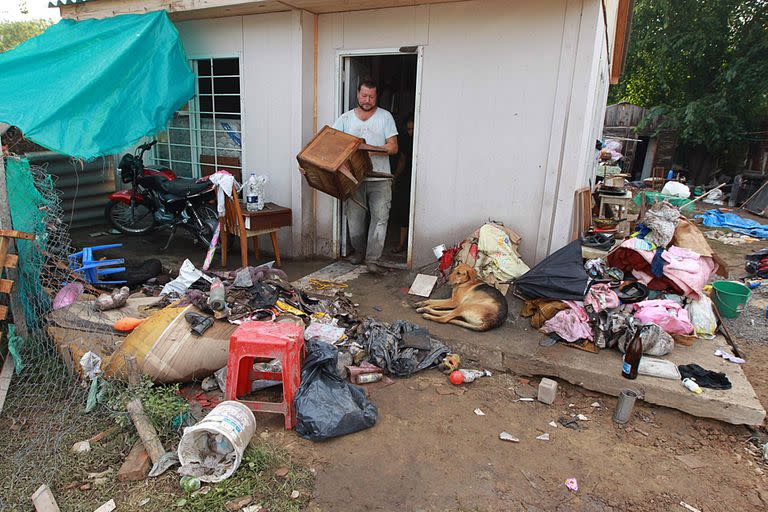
(10, 10)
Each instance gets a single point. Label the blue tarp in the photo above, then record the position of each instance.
(718, 219)
(96, 87)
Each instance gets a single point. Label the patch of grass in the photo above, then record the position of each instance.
(166, 409)
(256, 477)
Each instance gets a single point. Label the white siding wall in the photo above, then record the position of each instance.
(503, 83)
(271, 49)
(512, 99)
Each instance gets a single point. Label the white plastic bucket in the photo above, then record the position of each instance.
(230, 419)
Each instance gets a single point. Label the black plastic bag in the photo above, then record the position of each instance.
(326, 405)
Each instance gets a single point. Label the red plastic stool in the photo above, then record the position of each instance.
(283, 341)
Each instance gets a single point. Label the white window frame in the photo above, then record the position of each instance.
(192, 111)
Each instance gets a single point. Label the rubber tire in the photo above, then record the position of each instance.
(128, 231)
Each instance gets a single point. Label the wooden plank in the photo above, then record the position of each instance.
(12, 233)
(5, 224)
(146, 431)
(11, 261)
(6, 285)
(44, 501)
(136, 465)
(621, 40)
(6, 374)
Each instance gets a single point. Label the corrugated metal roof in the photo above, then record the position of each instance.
(60, 3)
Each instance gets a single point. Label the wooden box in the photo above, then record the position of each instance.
(323, 160)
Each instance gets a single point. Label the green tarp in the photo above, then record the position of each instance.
(96, 87)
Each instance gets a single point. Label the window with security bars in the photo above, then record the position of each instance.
(205, 135)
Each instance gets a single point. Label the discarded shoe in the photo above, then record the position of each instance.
(600, 241)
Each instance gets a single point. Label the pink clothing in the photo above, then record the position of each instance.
(600, 296)
(667, 314)
(569, 324)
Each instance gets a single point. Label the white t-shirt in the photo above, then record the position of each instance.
(376, 130)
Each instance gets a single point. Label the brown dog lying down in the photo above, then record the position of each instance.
(473, 304)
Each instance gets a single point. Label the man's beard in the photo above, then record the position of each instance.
(365, 107)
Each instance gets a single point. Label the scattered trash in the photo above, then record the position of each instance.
(91, 364)
(68, 295)
(525, 399)
(691, 385)
(282, 472)
(238, 503)
(382, 343)
(295, 495)
(43, 500)
(213, 448)
(624, 406)
(595, 404)
(729, 357)
(252, 508)
(199, 323)
(688, 507)
(572, 423)
(472, 375)
(552, 424)
(81, 447)
(127, 324)
(107, 507)
(324, 332)
(581, 417)
(506, 436)
(456, 377)
(366, 373)
(166, 462)
(479, 412)
(572, 484)
(189, 483)
(100, 474)
(114, 300)
(547, 391)
(543, 437)
(144, 502)
(423, 285)
(188, 274)
(326, 405)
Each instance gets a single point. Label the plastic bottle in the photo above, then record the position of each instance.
(632, 357)
(692, 386)
(471, 375)
(216, 297)
(254, 193)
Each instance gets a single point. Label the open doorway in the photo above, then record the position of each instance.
(396, 74)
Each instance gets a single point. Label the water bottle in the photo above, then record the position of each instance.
(254, 193)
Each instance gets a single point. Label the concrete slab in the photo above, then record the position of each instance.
(515, 347)
(602, 372)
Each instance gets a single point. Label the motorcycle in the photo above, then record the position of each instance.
(158, 199)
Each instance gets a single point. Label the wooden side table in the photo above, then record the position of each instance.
(266, 221)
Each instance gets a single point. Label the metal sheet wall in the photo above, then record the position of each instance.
(84, 186)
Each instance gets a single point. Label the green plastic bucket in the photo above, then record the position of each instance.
(730, 297)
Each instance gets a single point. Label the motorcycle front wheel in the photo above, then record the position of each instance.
(131, 221)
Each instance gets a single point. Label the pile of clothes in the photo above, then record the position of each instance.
(652, 285)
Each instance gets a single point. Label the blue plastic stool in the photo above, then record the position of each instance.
(92, 269)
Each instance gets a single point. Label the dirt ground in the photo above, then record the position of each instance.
(429, 451)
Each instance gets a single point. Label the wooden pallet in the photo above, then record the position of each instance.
(8, 260)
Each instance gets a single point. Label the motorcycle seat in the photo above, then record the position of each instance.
(184, 186)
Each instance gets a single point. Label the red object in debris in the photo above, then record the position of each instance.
(457, 377)
(266, 340)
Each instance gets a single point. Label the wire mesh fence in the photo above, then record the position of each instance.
(44, 409)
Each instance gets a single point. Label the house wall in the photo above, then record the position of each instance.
(508, 108)
(273, 51)
(512, 99)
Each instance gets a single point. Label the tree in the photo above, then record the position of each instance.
(14, 32)
(701, 68)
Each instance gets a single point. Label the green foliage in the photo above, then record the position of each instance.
(165, 408)
(703, 65)
(256, 477)
(14, 32)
